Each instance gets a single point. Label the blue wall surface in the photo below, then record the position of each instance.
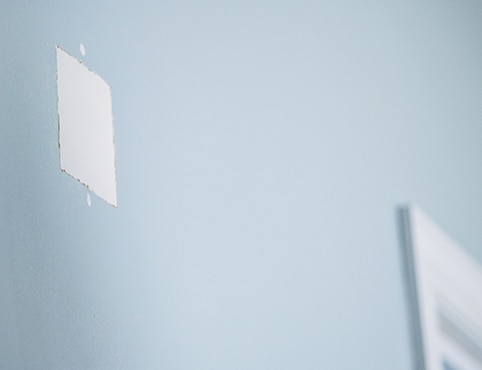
(262, 149)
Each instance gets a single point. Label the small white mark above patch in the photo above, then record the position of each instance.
(89, 200)
(82, 49)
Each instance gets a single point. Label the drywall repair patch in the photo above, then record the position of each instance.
(86, 134)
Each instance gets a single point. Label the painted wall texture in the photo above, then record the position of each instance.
(262, 148)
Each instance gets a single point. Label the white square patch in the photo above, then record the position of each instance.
(86, 135)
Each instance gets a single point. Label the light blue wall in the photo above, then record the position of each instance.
(262, 150)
